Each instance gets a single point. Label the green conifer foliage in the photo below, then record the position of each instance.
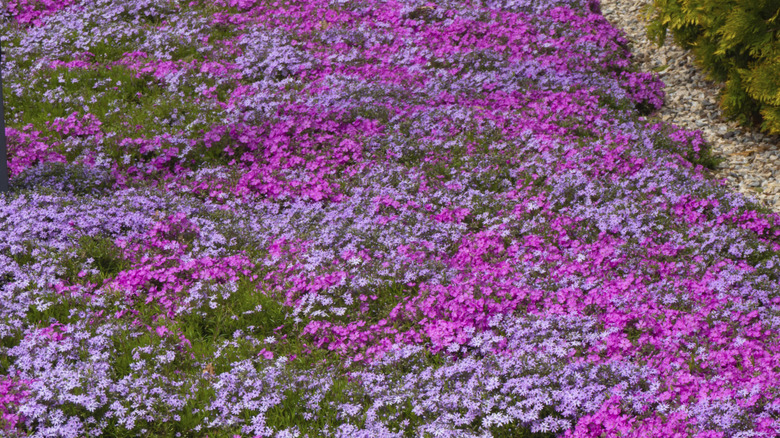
(737, 42)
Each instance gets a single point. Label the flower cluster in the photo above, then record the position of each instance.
(367, 218)
(33, 11)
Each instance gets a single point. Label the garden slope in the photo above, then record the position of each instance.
(344, 218)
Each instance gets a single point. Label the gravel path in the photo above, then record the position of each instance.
(752, 160)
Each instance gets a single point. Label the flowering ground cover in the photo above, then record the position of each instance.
(366, 219)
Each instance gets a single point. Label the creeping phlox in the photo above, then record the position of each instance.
(367, 219)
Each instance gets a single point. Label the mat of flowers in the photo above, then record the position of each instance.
(365, 218)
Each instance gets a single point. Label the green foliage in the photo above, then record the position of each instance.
(93, 85)
(736, 42)
(289, 412)
(25, 257)
(515, 430)
(58, 309)
(139, 101)
(246, 307)
(94, 252)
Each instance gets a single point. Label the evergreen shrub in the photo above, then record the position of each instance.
(737, 42)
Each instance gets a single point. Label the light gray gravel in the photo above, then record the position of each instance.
(752, 160)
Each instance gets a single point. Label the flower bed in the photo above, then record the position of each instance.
(373, 218)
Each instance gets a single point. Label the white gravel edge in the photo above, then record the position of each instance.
(752, 160)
